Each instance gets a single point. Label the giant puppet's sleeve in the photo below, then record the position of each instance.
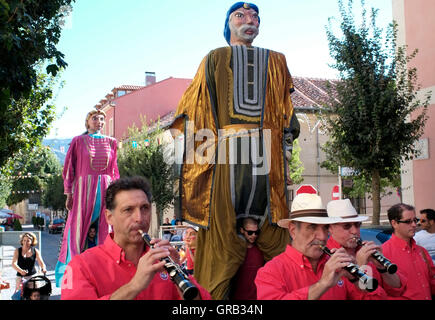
(69, 168)
(291, 132)
(194, 117)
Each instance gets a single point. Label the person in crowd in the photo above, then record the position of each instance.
(35, 295)
(166, 233)
(243, 287)
(124, 267)
(90, 166)
(346, 233)
(189, 238)
(177, 232)
(91, 240)
(303, 271)
(25, 258)
(174, 220)
(426, 236)
(412, 260)
(239, 101)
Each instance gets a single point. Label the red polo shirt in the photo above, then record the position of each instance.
(410, 261)
(289, 276)
(393, 292)
(244, 286)
(98, 272)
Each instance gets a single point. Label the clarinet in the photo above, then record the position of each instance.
(178, 276)
(368, 283)
(391, 267)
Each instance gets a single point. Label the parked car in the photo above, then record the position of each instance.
(56, 226)
(378, 234)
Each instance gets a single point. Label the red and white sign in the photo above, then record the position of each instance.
(336, 192)
(306, 188)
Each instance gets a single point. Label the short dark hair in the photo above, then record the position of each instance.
(248, 220)
(395, 212)
(124, 184)
(430, 213)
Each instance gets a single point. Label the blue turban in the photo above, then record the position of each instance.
(234, 7)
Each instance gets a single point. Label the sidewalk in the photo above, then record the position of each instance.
(49, 255)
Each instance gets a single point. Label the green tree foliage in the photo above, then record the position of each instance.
(29, 32)
(376, 117)
(5, 189)
(17, 225)
(31, 171)
(26, 121)
(143, 155)
(295, 165)
(53, 196)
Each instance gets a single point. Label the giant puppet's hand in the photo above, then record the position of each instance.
(69, 201)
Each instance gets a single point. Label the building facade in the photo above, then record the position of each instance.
(415, 19)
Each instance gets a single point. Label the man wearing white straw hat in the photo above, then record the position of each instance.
(303, 271)
(346, 233)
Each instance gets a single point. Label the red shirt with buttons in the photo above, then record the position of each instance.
(98, 272)
(415, 263)
(289, 276)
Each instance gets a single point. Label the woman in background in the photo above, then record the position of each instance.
(25, 257)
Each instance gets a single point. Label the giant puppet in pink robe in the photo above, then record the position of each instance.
(90, 166)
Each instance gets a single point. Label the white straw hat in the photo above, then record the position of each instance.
(344, 211)
(307, 207)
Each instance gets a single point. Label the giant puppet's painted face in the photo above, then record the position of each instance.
(95, 122)
(244, 24)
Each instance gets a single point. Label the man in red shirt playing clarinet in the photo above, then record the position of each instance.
(124, 267)
(304, 271)
(346, 234)
(411, 259)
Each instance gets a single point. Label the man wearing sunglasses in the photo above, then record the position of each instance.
(426, 236)
(346, 234)
(243, 287)
(411, 259)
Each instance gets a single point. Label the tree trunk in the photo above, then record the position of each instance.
(376, 197)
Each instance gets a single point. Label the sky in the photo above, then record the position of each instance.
(108, 43)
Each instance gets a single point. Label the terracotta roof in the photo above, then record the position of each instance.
(310, 92)
(165, 121)
(128, 87)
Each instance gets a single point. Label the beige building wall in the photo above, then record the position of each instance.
(311, 138)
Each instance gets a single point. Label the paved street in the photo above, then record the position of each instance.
(49, 251)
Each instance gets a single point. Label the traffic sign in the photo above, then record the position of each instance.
(306, 188)
(336, 192)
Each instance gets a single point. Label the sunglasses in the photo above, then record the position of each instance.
(423, 220)
(347, 226)
(251, 232)
(409, 221)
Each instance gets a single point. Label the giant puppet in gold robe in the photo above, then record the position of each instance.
(238, 122)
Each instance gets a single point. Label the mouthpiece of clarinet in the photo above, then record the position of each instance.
(140, 231)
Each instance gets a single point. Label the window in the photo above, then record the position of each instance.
(111, 127)
(121, 93)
